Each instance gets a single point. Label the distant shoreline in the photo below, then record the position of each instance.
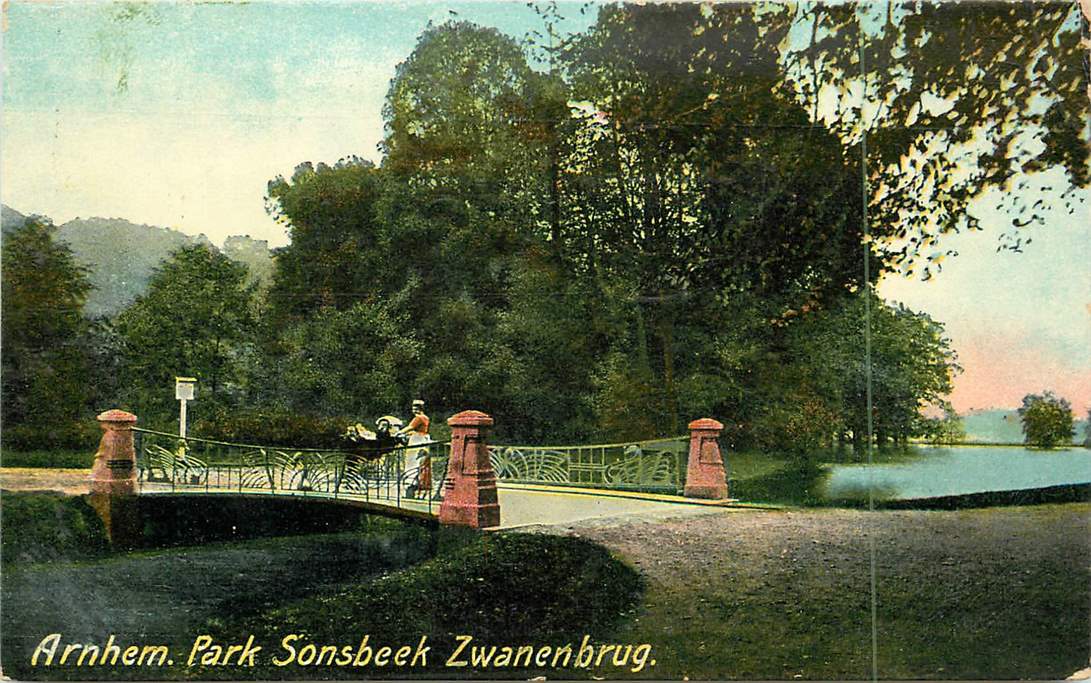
(1014, 444)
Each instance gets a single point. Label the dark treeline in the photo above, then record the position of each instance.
(605, 235)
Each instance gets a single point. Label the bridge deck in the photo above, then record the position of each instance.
(525, 506)
(520, 505)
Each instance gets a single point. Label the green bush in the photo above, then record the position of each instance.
(42, 527)
(1047, 420)
(503, 589)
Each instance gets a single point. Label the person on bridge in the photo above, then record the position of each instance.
(417, 429)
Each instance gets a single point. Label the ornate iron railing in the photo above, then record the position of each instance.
(658, 465)
(392, 476)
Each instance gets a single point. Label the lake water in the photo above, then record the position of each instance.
(958, 470)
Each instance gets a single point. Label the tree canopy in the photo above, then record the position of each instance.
(680, 211)
(47, 374)
(687, 192)
(196, 319)
(1047, 420)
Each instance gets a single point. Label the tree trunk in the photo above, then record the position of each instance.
(666, 338)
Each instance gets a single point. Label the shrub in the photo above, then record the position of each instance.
(502, 589)
(41, 527)
(82, 435)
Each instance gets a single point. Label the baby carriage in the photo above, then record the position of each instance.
(369, 446)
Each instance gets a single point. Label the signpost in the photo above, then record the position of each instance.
(183, 391)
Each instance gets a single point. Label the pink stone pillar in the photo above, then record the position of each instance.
(469, 491)
(114, 469)
(113, 478)
(705, 476)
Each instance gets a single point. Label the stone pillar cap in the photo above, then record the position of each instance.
(706, 423)
(116, 415)
(470, 418)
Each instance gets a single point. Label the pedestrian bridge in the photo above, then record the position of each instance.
(465, 481)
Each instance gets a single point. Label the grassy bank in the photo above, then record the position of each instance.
(503, 590)
(755, 477)
(43, 527)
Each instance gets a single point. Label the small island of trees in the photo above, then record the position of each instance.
(1047, 420)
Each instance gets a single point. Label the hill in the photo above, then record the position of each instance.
(121, 255)
(10, 219)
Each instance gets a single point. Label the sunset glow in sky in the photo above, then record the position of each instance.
(180, 115)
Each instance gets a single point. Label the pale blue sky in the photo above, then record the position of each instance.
(219, 98)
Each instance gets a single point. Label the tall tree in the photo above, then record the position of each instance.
(692, 177)
(195, 319)
(912, 367)
(46, 369)
(454, 111)
(335, 238)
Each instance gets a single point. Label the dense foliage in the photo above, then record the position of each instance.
(1047, 420)
(48, 375)
(196, 318)
(681, 211)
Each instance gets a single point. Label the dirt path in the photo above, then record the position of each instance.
(994, 593)
(44, 479)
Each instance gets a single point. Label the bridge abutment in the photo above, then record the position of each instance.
(113, 479)
(705, 476)
(469, 491)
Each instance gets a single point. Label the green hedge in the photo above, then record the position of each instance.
(79, 460)
(78, 435)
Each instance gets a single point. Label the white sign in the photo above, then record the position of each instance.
(183, 391)
(183, 388)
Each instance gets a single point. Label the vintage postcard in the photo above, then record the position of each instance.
(545, 340)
